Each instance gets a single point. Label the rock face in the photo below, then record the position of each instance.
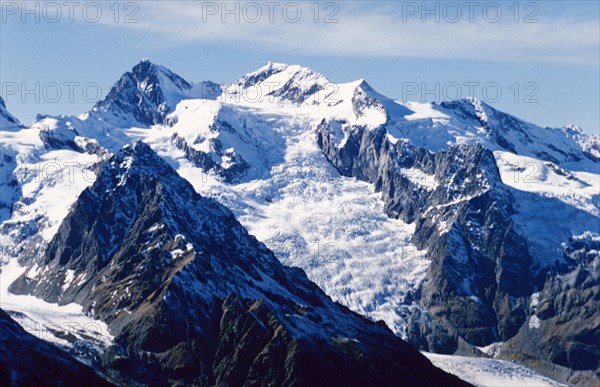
(193, 299)
(237, 167)
(7, 120)
(564, 325)
(9, 186)
(27, 360)
(462, 217)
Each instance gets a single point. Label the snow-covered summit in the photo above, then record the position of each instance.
(147, 93)
(280, 82)
(470, 120)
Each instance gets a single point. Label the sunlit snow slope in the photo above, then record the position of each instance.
(490, 372)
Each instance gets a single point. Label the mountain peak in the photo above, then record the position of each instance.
(368, 89)
(469, 108)
(274, 65)
(146, 69)
(144, 66)
(134, 151)
(289, 83)
(140, 152)
(145, 95)
(573, 129)
(261, 74)
(471, 102)
(135, 147)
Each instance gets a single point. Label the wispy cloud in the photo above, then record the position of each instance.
(379, 29)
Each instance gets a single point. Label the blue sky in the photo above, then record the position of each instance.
(544, 59)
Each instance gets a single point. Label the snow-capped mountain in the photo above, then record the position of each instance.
(278, 81)
(491, 239)
(452, 222)
(148, 93)
(470, 120)
(194, 299)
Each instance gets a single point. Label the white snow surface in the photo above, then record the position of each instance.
(486, 372)
(552, 203)
(293, 200)
(48, 321)
(44, 184)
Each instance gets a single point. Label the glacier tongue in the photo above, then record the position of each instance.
(52, 322)
(333, 227)
(490, 372)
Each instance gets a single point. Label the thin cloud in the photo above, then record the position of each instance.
(379, 31)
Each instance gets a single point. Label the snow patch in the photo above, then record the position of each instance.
(69, 275)
(420, 178)
(64, 325)
(534, 322)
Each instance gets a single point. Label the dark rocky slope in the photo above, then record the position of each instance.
(193, 299)
(564, 323)
(26, 360)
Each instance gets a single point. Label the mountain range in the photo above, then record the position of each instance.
(168, 211)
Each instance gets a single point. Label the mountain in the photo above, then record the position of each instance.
(463, 223)
(27, 360)
(147, 93)
(489, 253)
(466, 229)
(564, 324)
(279, 81)
(9, 193)
(194, 299)
(502, 131)
(222, 141)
